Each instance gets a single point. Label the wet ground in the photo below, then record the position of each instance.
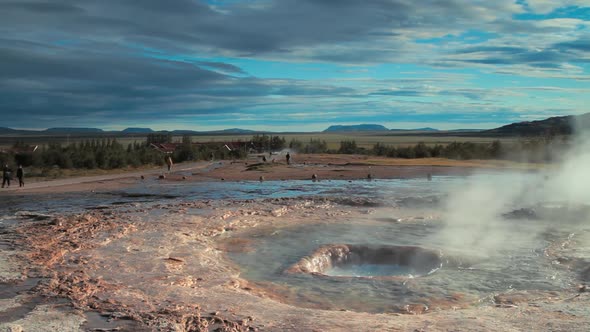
(212, 255)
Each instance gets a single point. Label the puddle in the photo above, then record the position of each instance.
(98, 322)
(12, 289)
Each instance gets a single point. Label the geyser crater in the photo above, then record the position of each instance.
(364, 261)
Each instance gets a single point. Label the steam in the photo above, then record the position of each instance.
(473, 213)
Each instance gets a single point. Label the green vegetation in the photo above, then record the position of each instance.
(107, 154)
(268, 143)
(110, 153)
(90, 154)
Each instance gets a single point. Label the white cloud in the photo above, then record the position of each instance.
(548, 6)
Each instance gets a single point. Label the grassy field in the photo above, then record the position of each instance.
(366, 140)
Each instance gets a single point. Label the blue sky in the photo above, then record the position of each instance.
(291, 65)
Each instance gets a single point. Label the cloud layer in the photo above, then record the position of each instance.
(114, 63)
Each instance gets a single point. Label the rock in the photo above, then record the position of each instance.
(14, 328)
(142, 177)
(261, 178)
(175, 259)
(184, 177)
(582, 288)
(33, 215)
(416, 309)
(162, 176)
(524, 213)
(314, 176)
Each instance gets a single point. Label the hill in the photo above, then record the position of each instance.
(558, 125)
(417, 129)
(72, 130)
(355, 128)
(133, 130)
(236, 131)
(4, 130)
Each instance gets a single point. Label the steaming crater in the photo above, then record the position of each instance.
(346, 260)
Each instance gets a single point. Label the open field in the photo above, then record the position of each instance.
(366, 140)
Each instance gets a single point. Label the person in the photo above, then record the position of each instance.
(288, 156)
(169, 163)
(20, 175)
(5, 176)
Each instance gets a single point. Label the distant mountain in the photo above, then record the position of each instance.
(558, 125)
(355, 128)
(72, 130)
(133, 130)
(417, 129)
(234, 131)
(4, 130)
(464, 130)
(181, 132)
(237, 131)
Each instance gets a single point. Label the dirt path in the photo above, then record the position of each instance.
(99, 182)
(302, 167)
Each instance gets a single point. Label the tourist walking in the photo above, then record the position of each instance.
(6, 176)
(288, 156)
(169, 163)
(20, 174)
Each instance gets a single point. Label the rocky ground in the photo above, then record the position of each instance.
(166, 268)
(171, 273)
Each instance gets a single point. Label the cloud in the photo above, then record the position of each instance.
(548, 6)
(82, 60)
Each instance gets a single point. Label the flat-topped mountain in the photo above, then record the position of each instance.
(72, 130)
(133, 130)
(353, 128)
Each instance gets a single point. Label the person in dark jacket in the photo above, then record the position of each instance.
(20, 174)
(6, 176)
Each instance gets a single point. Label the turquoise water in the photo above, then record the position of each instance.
(371, 270)
(519, 265)
(380, 191)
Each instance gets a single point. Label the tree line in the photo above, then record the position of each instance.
(88, 154)
(538, 149)
(110, 154)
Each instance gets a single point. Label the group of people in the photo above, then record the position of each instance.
(7, 175)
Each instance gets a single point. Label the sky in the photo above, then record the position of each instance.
(291, 65)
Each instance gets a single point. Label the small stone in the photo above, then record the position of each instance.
(175, 259)
(14, 328)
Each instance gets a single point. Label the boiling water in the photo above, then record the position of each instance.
(371, 270)
(520, 266)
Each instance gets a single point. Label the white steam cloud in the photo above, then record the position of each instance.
(473, 213)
